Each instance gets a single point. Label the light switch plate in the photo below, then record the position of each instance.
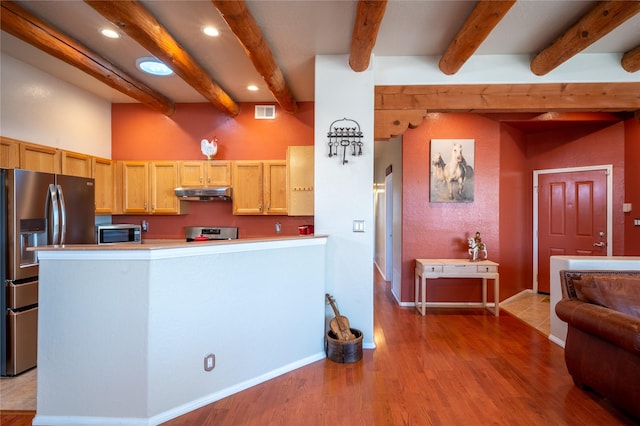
(358, 226)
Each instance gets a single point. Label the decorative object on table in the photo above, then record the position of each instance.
(477, 249)
(343, 344)
(210, 149)
(342, 134)
(452, 172)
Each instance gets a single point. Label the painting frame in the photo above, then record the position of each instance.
(452, 170)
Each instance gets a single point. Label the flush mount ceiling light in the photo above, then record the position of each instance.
(109, 33)
(153, 66)
(211, 31)
(252, 88)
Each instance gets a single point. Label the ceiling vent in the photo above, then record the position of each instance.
(265, 112)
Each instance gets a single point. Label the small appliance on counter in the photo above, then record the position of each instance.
(117, 234)
(305, 229)
(208, 233)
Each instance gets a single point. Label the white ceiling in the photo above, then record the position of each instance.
(296, 31)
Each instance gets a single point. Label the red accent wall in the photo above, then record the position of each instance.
(502, 211)
(632, 187)
(585, 145)
(139, 133)
(440, 230)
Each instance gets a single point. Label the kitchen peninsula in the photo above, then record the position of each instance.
(126, 331)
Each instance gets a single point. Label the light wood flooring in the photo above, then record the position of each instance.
(449, 367)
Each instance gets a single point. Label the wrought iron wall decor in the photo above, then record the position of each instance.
(342, 134)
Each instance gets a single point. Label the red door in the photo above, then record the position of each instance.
(572, 217)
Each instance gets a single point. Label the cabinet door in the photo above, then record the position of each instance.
(105, 184)
(135, 186)
(300, 173)
(9, 153)
(275, 187)
(218, 173)
(247, 187)
(75, 164)
(192, 173)
(164, 180)
(39, 158)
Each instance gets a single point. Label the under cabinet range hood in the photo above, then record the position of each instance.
(216, 193)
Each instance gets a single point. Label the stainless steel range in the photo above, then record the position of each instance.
(208, 233)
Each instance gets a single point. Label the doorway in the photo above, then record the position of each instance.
(572, 215)
(388, 232)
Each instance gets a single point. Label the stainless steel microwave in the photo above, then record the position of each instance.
(117, 234)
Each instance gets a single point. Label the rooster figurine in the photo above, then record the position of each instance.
(209, 148)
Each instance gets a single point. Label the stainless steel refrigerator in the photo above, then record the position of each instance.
(37, 209)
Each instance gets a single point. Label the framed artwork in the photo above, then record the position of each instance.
(452, 170)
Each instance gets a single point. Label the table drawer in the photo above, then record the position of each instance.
(432, 268)
(487, 268)
(460, 269)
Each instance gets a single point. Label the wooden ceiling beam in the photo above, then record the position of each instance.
(631, 60)
(246, 29)
(483, 19)
(369, 16)
(132, 18)
(24, 25)
(598, 22)
(609, 97)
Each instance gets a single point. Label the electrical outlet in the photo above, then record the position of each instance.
(145, 226)
(209, 362)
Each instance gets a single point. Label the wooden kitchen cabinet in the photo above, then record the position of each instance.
(135, 187)
(260, 187)
(106, 186)
(9, 153)
(148, 188)
(39, 158)
(205, 173)
(76, 164)
(300, 184)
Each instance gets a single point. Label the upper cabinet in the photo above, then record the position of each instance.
(75, 164)
(205, 173)
(9, 153)
(39, 158)
(300, 174)
(260, 187)
(106, 185)
(148, 188)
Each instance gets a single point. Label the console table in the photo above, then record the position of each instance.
(455, 268)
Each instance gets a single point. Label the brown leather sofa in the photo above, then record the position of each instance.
(602, 349)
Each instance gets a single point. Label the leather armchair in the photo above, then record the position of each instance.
(602, 349)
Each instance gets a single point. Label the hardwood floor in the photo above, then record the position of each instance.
(449, 367)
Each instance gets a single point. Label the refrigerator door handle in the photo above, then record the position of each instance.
(63, 216)
(51, 210)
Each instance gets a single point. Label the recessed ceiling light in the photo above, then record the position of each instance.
(252, 88)
(153, 66)
(110, 33)
(211, 31)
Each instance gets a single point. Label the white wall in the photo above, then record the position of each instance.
(390, 153)
(36, 107)
(343, 193)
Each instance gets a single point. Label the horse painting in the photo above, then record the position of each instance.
(451, 176)
(455, 171)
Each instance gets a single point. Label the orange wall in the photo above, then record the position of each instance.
(502, 210)
(586, 145)
(439, 230)
(516, 240)
(632, 187)
(139, 133)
